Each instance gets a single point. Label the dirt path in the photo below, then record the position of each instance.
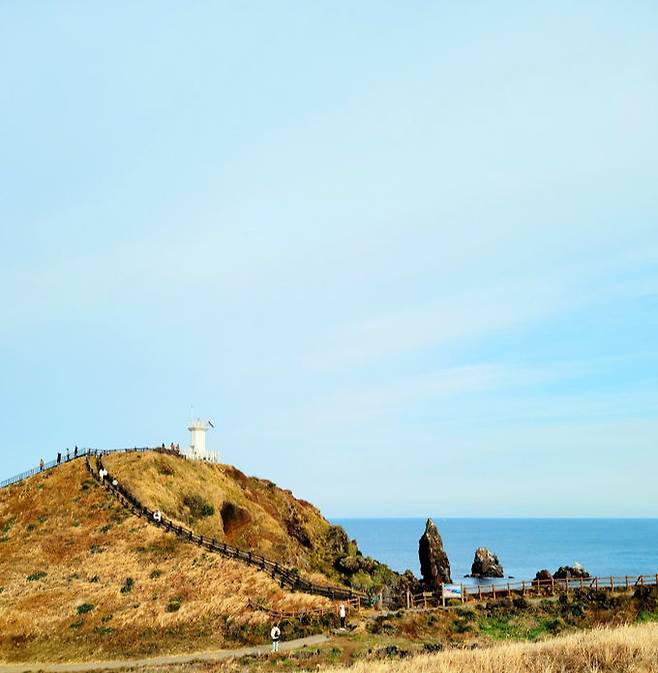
(160, 661)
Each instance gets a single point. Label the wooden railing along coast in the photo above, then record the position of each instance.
(537, 588)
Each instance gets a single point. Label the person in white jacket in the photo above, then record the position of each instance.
(275, 633)
(342, 613)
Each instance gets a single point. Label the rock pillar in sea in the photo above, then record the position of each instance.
(434, 564)
(486, 564)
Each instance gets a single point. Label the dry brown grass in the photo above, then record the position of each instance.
(63, 524)
(257, 514)
(626, 649)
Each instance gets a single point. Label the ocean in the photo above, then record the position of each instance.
(524, 546)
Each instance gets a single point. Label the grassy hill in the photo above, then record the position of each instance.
(220, 501)
(81, 578)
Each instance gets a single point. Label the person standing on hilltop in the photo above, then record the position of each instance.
(275, 633)
(41, 464)
(75, 452)
(59, 457)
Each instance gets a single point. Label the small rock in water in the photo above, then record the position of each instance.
(486, 564)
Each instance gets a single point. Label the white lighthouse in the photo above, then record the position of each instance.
(197, 448)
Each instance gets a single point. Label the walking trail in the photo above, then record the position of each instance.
(215, 655)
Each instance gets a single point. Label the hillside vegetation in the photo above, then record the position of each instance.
(623, 649)
(626, 649)
(220, 501)
(81, 578)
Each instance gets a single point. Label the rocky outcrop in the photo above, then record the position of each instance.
(576, 570)
(336, 542)
(543, 576)
(408, 582)
(486, 564)
(355, 563)
(434, 563)
(296, 529)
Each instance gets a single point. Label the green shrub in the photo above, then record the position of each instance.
(461, 625)
(128, 585)
(95, 579)
(173, 605)
(38, 575)
(76, 625)
(467, 614)
(645, 616)
(155, 574)
(555, 625)
(198, 507)
(84, 608)
(5, 526)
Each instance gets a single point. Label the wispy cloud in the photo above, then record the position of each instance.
(368, 405)
(463, 317)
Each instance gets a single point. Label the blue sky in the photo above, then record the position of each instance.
(403, 254)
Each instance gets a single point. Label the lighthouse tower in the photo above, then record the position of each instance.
(197, 448)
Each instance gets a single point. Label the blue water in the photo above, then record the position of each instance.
(604, 546)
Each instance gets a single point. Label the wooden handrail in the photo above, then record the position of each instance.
(527, 587)
(82, 453)
(273, 568)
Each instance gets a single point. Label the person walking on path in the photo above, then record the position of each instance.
(342, 613)
(59, 458)
(41, 464)
(275, 633)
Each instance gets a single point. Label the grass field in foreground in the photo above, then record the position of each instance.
(623, 649)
